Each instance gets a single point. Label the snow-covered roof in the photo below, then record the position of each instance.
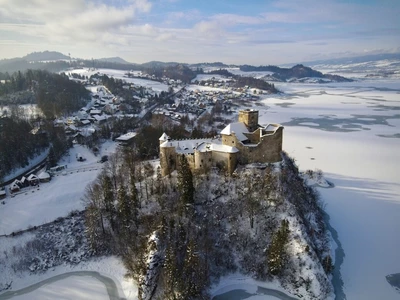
(238, 129)
(164, 137)
(100, 118)
(216, 147)
(126, 137)
(32, 177)
(95, 112)
(85, 122)
(16, 181)
(202, 145)
(44, 175)
(271, 127)
(72, 127)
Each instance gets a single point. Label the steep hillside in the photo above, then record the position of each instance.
(182, 233)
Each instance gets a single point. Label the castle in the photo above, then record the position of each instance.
(242, 142)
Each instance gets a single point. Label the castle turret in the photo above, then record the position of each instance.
(163, 138)
(250, 118)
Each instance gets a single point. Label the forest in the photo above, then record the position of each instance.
(54, 94)
(179, 234)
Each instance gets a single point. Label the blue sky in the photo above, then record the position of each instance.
(232, 31)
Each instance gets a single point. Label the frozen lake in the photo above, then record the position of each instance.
(351, 132)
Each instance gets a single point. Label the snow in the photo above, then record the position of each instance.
(238, 128)
(364, 205)
(126, 136)
(74, 287)
(87, 286)
(32, 162)
(63, 194)
(241, 282)
(120, 74)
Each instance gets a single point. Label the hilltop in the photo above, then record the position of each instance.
(56, 61)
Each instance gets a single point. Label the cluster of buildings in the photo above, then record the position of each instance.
(242, 142)
(31, 180)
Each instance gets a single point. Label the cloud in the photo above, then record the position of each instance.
(75, 21)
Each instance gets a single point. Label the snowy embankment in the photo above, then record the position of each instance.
(355, 145)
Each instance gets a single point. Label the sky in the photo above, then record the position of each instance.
(231, 31)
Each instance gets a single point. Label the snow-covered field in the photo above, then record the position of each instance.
(63, 194)
(349, 132)
(120, 74)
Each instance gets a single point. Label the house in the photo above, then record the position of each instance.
(44, 177)
(95, 112)
(100, 119)
(242, 142)
(33, 179)
(15, 186)
(23, 182)
(85, 122)
(126, 139)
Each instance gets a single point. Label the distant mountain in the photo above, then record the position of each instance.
(45, 56)
(356, 59)
(210, 65)
(385, 65)
(115, 59)
(160, 64)
(296, 73)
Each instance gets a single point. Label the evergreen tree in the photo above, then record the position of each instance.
(125, 215)
(277, 256)
(135, 204)
(108, 198)
(185, 183)
(327, 264)
(52, 157)
(195, 277)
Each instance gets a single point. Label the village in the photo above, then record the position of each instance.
(82, 127)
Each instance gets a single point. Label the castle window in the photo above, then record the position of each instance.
(233, 142)
(209, 159)
(201, 160)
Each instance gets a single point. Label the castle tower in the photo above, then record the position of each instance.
(163, 138)
(250, 118)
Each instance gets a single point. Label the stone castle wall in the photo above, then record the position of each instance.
(167, 160)
(266, 151)
(262, 146)
(249, 118)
